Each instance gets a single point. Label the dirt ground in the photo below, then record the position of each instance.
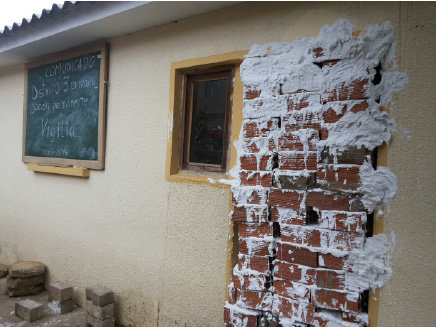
(76, 318)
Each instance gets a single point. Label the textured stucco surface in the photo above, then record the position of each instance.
(161, 246)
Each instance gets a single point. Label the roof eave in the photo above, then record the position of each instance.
(85, 22)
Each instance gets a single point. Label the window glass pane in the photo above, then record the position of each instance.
(208, 122)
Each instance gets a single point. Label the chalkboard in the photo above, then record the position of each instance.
(64, 109)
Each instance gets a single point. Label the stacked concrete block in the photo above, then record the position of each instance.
(29, 310)
(60, 297)
(3, 270)
(99, 306)
(25, 278)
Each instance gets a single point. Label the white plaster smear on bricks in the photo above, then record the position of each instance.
(280, 68)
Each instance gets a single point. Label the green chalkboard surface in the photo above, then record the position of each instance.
(64, 110)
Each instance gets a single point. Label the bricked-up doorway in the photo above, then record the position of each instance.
(303, 211)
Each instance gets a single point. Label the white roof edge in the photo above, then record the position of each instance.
(88, 21)
(80, 14)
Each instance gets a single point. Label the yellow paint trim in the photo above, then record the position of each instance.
(374, 298)
(69, 171)
(172, 173)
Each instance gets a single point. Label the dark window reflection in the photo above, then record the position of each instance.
(208, 122)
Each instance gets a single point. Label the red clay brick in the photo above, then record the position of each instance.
(330, 279)
(298, 160)
(250, 214)
(294, 272)
(252, 282)
(233, 316)
(337, 300)
(249, 195)
(286, 199)
(256, 263)
(292, 290)
(343, 221)
(253, 178)
(254, 145)
(300, 311)
(342, 241)
(251, 162)
(255, 300)
(351, 156)
(353, 91)
(300, 101)
(328, 201)
(259, 127)
(255, 230)
(301, 235)
(331, 116)
(288, 216)
(251, 93)
(254, 246)
(297, 255)
(292, 141)
(338, 178)
(328, 260)
(354, 318)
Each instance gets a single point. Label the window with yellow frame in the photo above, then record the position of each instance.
(205, 117)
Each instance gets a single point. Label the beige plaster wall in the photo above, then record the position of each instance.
(162, 246)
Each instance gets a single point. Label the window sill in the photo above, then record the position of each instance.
(192, 177)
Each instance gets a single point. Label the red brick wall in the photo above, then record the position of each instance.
(298, 209)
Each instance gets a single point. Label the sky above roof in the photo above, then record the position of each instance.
(13, 11)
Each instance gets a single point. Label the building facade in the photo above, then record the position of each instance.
(161, 240)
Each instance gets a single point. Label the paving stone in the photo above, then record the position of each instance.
(29, 310)
(60, 291)
(31, 290)
(22, 282)
(26, 269)
(100, 312)
(3, 270)
(61, 307)
(94, 322)
(99, 295)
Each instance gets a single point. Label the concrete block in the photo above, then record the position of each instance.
(101, 313)
(60, 291)
(100, 295)
(94, 322)
(29, 310)
(22, 282)
(61, 307)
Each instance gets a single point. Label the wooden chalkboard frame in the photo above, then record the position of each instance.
(62, 162)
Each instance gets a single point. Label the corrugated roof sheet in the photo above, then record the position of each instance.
(45, 14)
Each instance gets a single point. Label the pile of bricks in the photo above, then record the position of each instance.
(99, 306)
(25, 278)
(298, 211)
(60, 297)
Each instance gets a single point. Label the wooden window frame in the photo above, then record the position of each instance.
(173, 171)
(190, 78)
